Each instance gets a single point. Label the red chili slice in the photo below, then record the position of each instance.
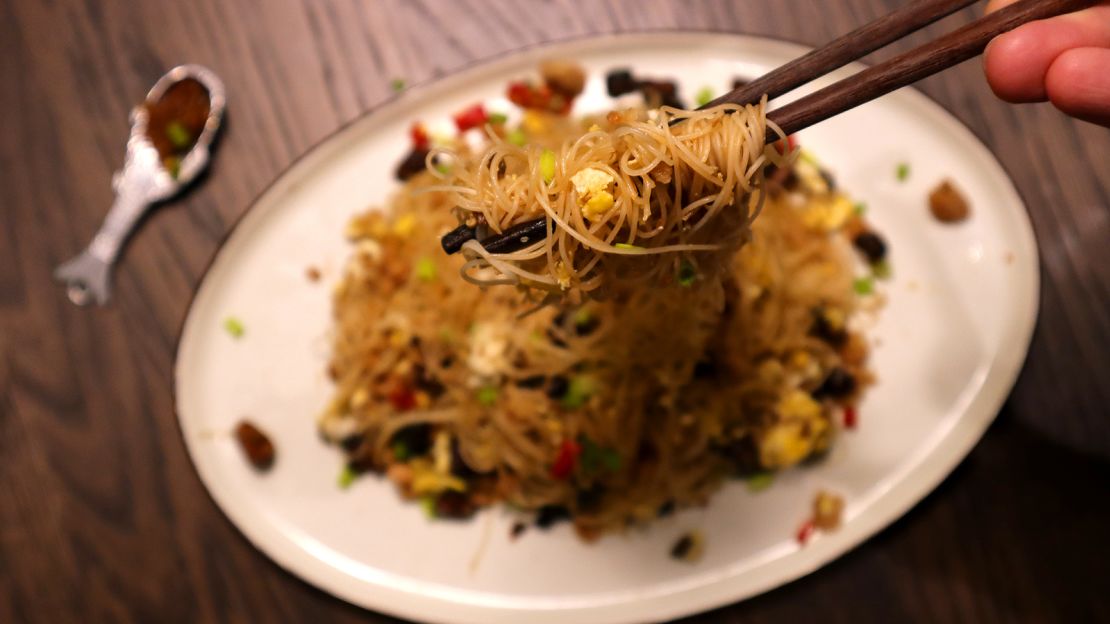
(565, 460)
(473, 117)
(402, 398)
(419, 136)
(850, 417)
(805, 532)
(520, 93)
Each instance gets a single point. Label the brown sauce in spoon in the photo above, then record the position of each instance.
(176, 121)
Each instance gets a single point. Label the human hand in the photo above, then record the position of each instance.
(1065, 60)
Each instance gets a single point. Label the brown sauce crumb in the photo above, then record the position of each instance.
(827, 509)
(255, 444)
(313, 274)
(947, 204)
(176, 120)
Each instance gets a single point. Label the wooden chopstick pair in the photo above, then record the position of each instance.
(862, 87)
(903, 70)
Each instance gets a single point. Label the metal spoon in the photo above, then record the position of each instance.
(140, 184)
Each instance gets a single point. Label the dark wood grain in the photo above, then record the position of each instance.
(103, 518)
(907, 68)
(851, 46)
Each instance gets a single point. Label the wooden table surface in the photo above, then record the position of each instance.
(102, 517)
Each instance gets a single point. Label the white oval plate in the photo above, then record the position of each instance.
(950, 343)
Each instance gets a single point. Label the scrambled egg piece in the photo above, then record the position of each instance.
(828, 214)
(488, 343)
(562, 275)
(796, 435)
(427, 480)
(592, 186)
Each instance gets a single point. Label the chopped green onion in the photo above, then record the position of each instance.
(346, 477)
(234, 327)
(446, 334)
(881, 269)
(178, 135)
(428, 504)
(687, 274)
(760, 481)
(397, 84)
(809, 158)
(611, 459)
(583, 317)
(864, 285)
(498, 118)
(860, 208)
(443, 168)
(401, 451)
(547, 165)
(594, 457)
(705, 96)
(628, 247)
(579, 390)
(487, 395)
(517, 137)
(902, 172)
(425, 270)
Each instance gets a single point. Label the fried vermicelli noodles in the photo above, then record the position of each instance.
(621, 200)
(609, 411)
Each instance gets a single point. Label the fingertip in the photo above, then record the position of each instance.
(1078, 84)
(1010, 74)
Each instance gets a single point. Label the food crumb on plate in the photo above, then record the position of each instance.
(256, 445)
(313, 274)
(948, 204)
(690, 547)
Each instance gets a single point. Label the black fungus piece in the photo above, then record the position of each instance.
(839, 383)
(555, 338)
(426, 382)
(518, 529)
(586, 325)
(454, 506)
(871, 245)
(827, 176)
(705, 369)
(666, 509)
(557, 387)
(459, 467)
(744, 455)
(361, 461)
(416, 438)
(453, 241)
(447, 361)
(549, 515)
(413, 164)
(351, 443)
(534, 382)
(517, 237)
(825, 331)
(589, 499)
(663, 91)
(620, 81)
(682, 547)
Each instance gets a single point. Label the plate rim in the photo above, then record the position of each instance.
(892, 505)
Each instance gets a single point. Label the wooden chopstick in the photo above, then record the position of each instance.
(903, 70)
(912, 17)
